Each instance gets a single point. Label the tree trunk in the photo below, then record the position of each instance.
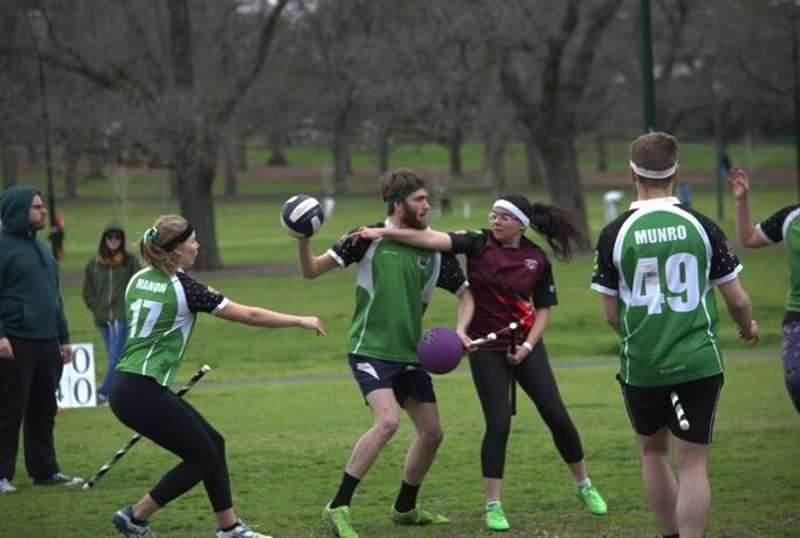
(602, 153)
(32, 152)
(195, 165)
(95, 165)
(534, 162)
(230, 166)
(341, 152)
(10, 165)
(72, 157)
(276, 158)
(564, 181)
(241, 153)
(384, 149)
(454, 152)
(495, 153)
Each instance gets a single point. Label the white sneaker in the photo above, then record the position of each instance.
(241, 530)
(6, 487)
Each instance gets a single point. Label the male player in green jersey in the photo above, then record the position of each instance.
(782, 225)
(656, 266)
(394, 285)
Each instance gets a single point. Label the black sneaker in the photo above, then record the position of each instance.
(123, 521)
(58, 479)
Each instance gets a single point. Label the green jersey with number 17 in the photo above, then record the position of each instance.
(661, 261)
(161, 311)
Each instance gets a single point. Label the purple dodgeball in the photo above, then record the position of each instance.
(440, 350)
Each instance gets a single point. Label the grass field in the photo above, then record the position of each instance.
(290, 413)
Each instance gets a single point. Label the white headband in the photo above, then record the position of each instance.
(514, 210)
(654, 174)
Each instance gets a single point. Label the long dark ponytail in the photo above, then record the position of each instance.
(554, 223)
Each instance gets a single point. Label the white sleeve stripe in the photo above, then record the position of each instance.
(604, 290)
(461, 288)
(727, 278)
(336, 257)
(763, 235)
(220, 307)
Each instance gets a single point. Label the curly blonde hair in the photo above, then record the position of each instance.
(164, 230)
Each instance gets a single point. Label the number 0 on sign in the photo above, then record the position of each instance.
(77, 387)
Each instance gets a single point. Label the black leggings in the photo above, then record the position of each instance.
(492, 375)
(155, 412)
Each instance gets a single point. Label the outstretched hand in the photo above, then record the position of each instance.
(313, 323)
(366, 233)
(6, 351)
(466, 341)
(739, 182)
(751, 334)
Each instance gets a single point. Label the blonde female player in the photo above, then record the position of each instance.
(161, 303)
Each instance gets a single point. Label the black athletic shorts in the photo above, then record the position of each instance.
(650, 408)
(404, 379)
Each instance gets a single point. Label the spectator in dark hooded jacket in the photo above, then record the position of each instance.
(107, 276)
(34, 341)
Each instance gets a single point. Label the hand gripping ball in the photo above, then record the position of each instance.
(440, 350)
(302, 216)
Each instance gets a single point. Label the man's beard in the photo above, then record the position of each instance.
(410, 218)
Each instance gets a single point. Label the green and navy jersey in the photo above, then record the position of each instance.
(394, 286)
(783, 225)
(161, 311)
(661, 260)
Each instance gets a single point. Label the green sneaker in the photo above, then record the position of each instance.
(591, 499)
(496, 518)
(417, 516)
(338, 521)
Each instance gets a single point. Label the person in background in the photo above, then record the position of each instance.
(34, 341)
(782, 225)
(106, 277)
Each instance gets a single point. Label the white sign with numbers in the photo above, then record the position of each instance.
(77, 387)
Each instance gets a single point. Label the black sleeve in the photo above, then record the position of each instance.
(544, 294)
(605, 277)
(451, 277)
(348, 250)
(724, 262)
(199, 297)
(772, 226)
(468, 242)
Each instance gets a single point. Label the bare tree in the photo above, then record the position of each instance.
(165, 58)
(549, 111)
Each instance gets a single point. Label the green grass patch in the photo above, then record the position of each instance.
(290, 413)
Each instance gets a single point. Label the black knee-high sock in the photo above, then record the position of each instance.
(346, 489)
(676, 535)
(407, 498)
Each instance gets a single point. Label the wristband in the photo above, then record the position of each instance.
(527, 345)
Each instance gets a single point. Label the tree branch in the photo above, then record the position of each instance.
(266, 35)
(598, 21)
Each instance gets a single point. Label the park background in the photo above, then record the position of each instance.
(219, 110)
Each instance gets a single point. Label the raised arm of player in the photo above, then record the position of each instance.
(313, 266)
(261, 317)
(427, 239)
(738, 304)
(740, 185)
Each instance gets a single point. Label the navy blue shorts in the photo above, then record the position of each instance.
(650, 409)
(404, 379)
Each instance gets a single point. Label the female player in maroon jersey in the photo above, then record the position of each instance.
(512, 281)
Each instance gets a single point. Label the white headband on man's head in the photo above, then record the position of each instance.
(654, 174)
(514, 210)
